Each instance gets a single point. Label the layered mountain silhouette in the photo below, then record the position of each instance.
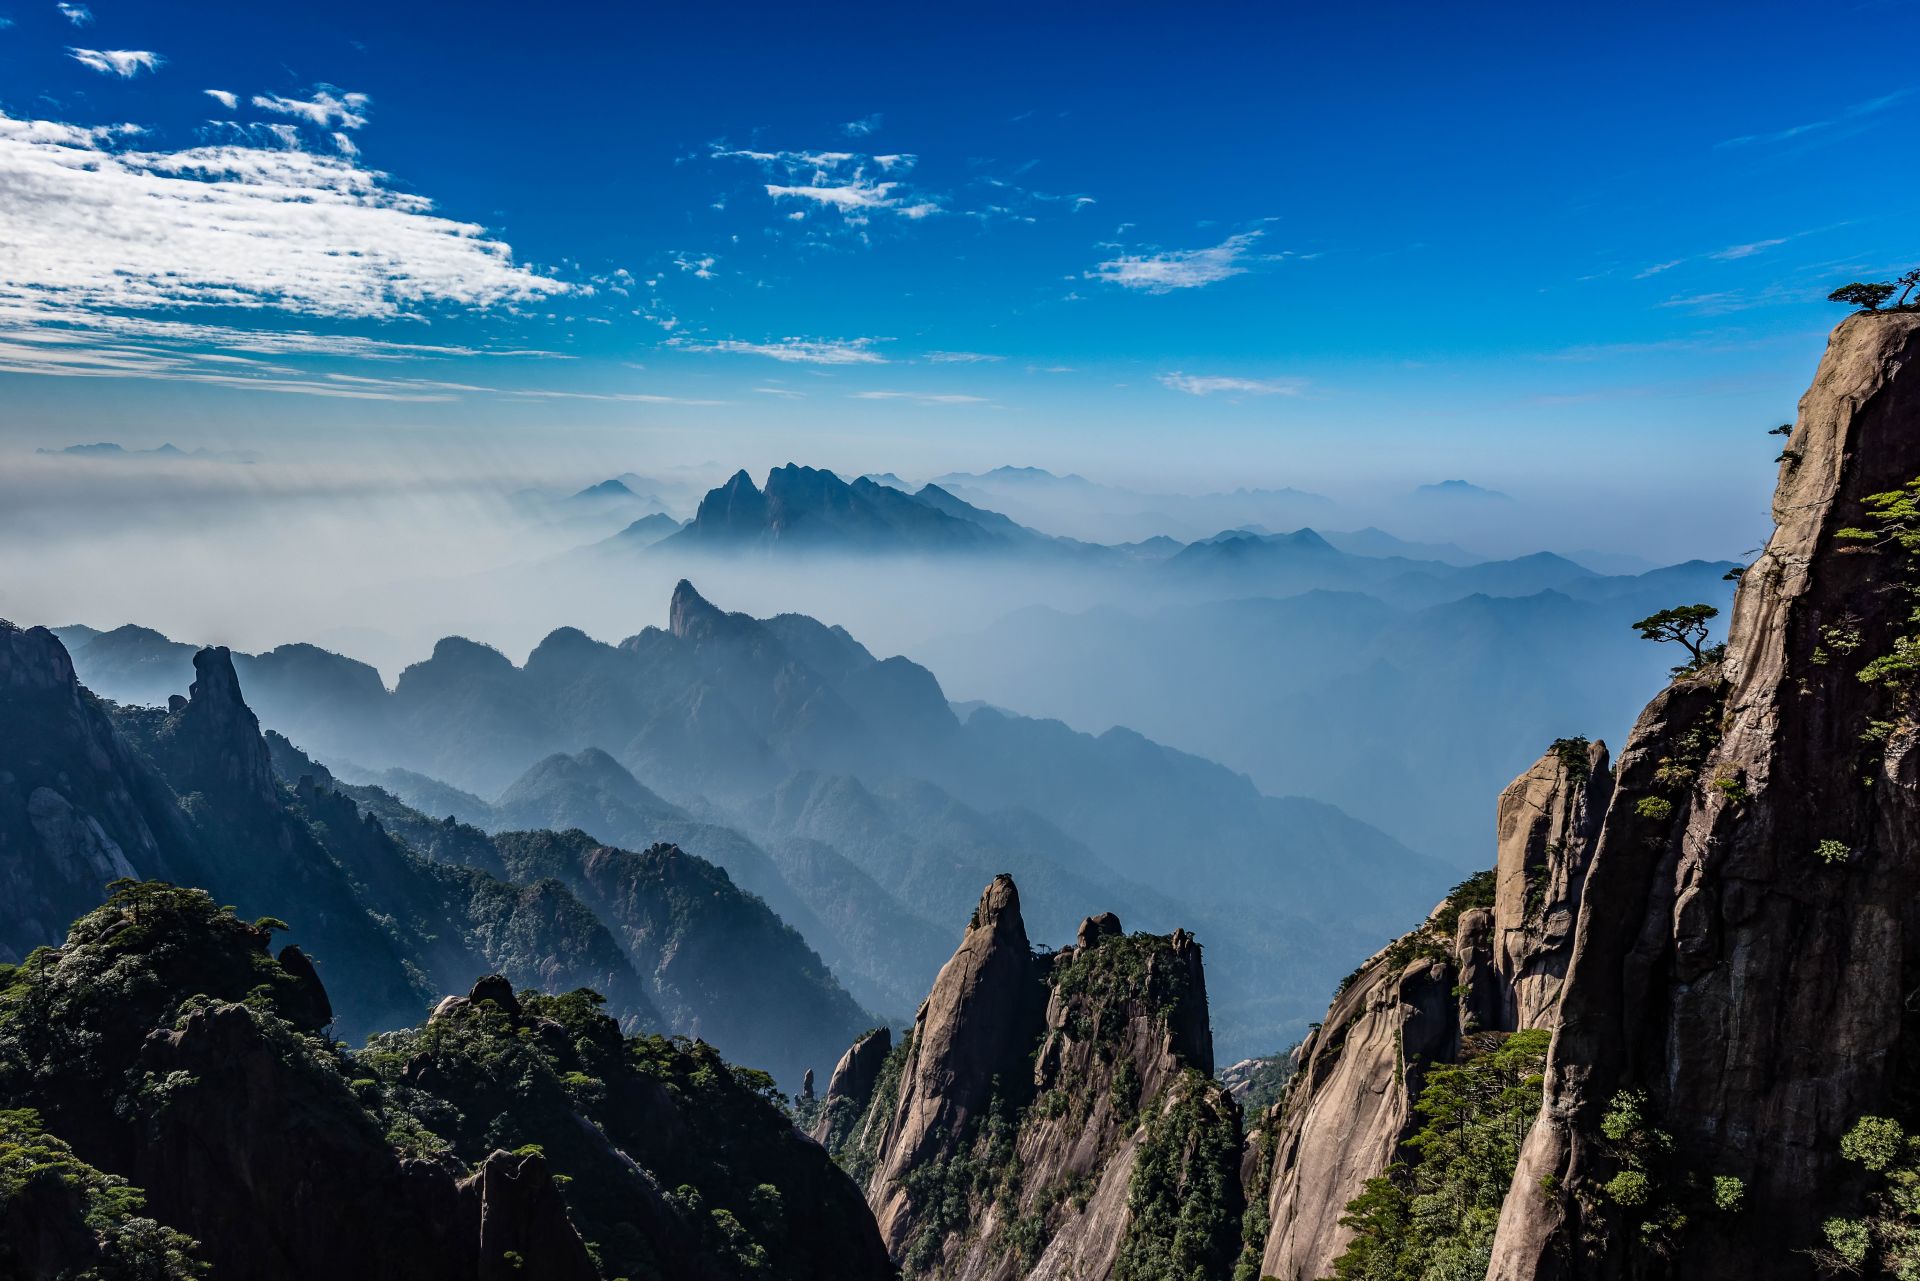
(808, 509)
(392, 907)
(812, 771)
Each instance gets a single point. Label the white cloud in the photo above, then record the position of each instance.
(125, 63)
(921, 398)
(784, 393)
(959, 357)
(345, 145)
(224, 97)
(1167, 270)
(805, 351)
(1209, 385)
(700, 268)
(90, 228)
(1870, 107)
(78, 14)
(862, 127)
(348, 111)
(1734, 252)
(842, 181)
(98, 237)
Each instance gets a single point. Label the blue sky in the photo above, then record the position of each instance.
(1209, 244)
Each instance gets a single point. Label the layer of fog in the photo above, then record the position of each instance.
(379, 564)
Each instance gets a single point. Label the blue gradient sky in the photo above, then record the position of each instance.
(1553, 251)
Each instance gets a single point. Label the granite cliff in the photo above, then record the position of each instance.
(1739, 992)
(1053, 1114)
(1483, 966)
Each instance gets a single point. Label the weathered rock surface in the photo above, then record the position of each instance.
(850, 1088)
(77, 808)
(1757, 992)
(1020, 1155)
(972, 1035)
(1484, 962)
(1351, 1104)
(1547, 823)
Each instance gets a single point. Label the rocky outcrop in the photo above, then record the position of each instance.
(1749, 932)
(1546, 825)
(850, 1088)
(218, 737)
(1053, 1115)
(971, 1038)
(77, 806)
(1351, 1102)
(1489, 960)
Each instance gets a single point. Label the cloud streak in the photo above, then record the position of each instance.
(323, 110)
(89, 227)
(803, 351)
(125, 63)
(921, 397)
(1215, 385)
(1164, 271)
(1858, 111)
(853, 185)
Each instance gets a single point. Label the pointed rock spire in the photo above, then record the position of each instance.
(220, 733)
(979, 1023)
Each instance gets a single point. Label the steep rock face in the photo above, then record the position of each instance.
(971, 1036)
(1076, 1131)
(215, 737)
(1489, 960)
(850, 1089)
(77, 809)
(1753, 988)
(1548, 821)
(1350, 1105)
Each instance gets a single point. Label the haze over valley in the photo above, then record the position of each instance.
(779, 643)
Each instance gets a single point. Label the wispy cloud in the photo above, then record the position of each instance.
(324, 109)
(959, 357)
(1213, 384)
(1733, 252)
(90, 227)
(1164, 271)
(99, 237)
(804, 351)
(853, 185)
(78, 14)
(224, 97)
(921, 397)
(125, 63)
(862, 127)
(1857, 111)
(700, 268)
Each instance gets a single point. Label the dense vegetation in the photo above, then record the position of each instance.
(1431, 1215)
(60, 1216)
(1184, 1197)
(669, 1161)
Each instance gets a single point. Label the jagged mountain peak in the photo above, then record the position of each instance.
(220, 731)
(690, 616)
(32, 658)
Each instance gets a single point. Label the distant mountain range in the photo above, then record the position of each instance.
(1461, 490)
(164, 453)
(394, 909)
(840, 788)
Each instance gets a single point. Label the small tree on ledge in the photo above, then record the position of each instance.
(1869, 295)
(1686, 624)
